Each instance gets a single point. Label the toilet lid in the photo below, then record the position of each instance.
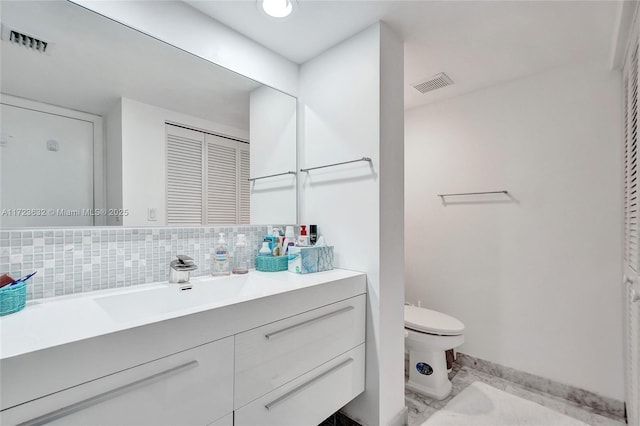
(433, 322)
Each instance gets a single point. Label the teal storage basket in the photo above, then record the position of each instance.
(13, 298)
(272, 263)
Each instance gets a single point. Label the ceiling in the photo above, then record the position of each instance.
(92, 61)
(477, 43)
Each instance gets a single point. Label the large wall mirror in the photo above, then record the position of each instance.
(104, 125)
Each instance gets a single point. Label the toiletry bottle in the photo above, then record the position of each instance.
(289, 240)
(303, 239)
(270, 238)
(241, 257)
(265, 250)
(277, 250)
(313, 234)
(220, 258)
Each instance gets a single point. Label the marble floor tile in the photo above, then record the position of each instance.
(422, 407)
(599, 404)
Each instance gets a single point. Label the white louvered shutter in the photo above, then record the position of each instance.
(184, 176)
(222, 181)
(244, 195)
(631, 230)
(631, 163)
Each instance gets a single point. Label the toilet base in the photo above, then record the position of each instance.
(428, 373)
(438, 394)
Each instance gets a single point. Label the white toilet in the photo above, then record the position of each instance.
(428, 335)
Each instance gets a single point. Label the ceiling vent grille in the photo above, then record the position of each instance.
(437, 81)
(28, 41)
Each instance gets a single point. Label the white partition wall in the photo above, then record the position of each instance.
(350, 107)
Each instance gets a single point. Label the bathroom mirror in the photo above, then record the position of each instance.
(104, 125)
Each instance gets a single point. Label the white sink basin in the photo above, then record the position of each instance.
(172, 298)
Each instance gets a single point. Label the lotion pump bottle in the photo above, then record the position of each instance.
(220, 265)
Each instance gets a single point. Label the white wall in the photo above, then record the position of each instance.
(536, 280)
(113, 161)
(272, 126)
(144, 160)
(181, 25)
(346, 112)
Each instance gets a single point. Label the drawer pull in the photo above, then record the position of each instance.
(78, 406)
(302, 324)
(292, 392)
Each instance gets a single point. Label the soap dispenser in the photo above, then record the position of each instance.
(240, 257)
(220, 265)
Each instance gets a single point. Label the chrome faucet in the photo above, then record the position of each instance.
(180, 269)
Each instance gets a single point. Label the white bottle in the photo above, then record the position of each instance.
(289, 239)
(220, 264)
(265, 250)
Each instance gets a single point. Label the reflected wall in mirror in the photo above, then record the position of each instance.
(104, 125)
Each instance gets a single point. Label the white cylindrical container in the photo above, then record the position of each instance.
(241, 257)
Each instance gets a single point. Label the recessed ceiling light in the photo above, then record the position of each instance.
(277, 8)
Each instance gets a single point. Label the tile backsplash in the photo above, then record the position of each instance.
(76, 260)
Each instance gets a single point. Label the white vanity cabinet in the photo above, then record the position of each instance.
(287, 350)
(270, 356)
(310, 398)
(225, 421)
(194, 387)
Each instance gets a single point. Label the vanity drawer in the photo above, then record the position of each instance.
(193, 387)
(225, 421)
(311, 398)
(267, 357)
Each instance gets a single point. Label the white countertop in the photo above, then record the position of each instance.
(45, 323)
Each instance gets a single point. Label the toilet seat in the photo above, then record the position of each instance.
(431, 322)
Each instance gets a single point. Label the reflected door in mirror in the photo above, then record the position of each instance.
(46, 169)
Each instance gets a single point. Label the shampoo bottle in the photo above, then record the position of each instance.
(220, 265)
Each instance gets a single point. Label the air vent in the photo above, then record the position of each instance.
(28, 41)
(432, 83)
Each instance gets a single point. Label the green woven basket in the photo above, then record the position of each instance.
(272, 263)
(13, 298)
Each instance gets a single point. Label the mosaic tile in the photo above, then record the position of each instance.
(99, 258)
